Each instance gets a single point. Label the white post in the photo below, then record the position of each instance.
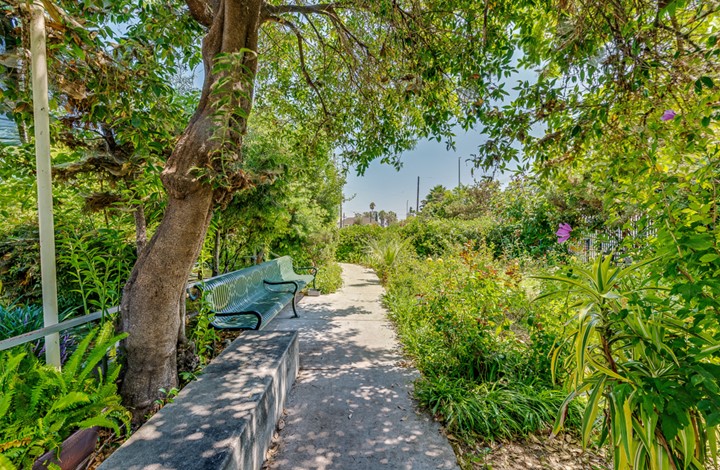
(44, 179)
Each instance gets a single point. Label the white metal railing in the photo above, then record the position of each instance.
(56, 328)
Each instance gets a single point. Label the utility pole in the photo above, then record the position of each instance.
(417, 198)
(407, 208)
(459, 171)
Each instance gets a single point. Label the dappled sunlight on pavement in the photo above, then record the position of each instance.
(351, 407)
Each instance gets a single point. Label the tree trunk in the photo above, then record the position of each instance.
(151, 298)
(140, 228)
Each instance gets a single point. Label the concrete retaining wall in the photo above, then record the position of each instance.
(225, 419)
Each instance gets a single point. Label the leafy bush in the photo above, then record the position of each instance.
(19, 266)
(482, 347)
(353, 240)
(92, 268)
(19, 319)
(490, 410)
(16, 320)
(650, 374)
(385, 254)
(435, 237)
(96, 266)
(41, 406)
(203, 335)
(329, 278)
(525, 220)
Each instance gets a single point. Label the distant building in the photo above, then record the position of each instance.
(363, 220)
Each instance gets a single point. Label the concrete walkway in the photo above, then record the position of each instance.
(350, 407)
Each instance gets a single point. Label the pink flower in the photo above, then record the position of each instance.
(668, 115)
(563, 233)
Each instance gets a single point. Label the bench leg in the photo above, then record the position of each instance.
(293, 306)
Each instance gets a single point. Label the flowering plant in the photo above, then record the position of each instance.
(563, 233)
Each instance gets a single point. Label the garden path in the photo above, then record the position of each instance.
(350, 407)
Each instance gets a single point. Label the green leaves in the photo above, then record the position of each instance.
(701, 82)
(642, 366)
(40, 407)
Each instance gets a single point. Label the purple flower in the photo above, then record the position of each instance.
(563, 233)
(668, 115)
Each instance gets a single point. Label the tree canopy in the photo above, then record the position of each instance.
(364, 79)
(626, 93)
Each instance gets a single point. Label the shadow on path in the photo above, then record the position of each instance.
(351, 406)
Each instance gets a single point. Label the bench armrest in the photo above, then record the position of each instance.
(311, 268)
(194, 292)
(279, 283)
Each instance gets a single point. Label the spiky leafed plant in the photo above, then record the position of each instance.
(384, 254)
(650, 377)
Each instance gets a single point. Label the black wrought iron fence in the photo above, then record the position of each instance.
(604, 242)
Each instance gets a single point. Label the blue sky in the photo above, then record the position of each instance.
(392, 190)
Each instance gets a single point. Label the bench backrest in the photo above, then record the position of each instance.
(285, 265)
(280, 269)
(232, 292)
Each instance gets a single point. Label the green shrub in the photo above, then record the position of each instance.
(436, 237)
(384, 254)
(19, 262)
(491, 410)
(41, 406)
(353, 240)
(203, 335)
(96, 266)
(650, 372)
(16, 320)
(329, 278)
(482, 347)
(92, 265)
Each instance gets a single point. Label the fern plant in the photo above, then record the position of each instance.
(41, 406)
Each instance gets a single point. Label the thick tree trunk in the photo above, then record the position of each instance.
(151, 298)
(140, 228)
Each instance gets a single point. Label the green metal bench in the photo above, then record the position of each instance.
(249, 298)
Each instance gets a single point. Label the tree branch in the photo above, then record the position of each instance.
(275, 10)
(60, 15)
(301, 53)
(272, 12)
(203, 11)
(317, 33)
